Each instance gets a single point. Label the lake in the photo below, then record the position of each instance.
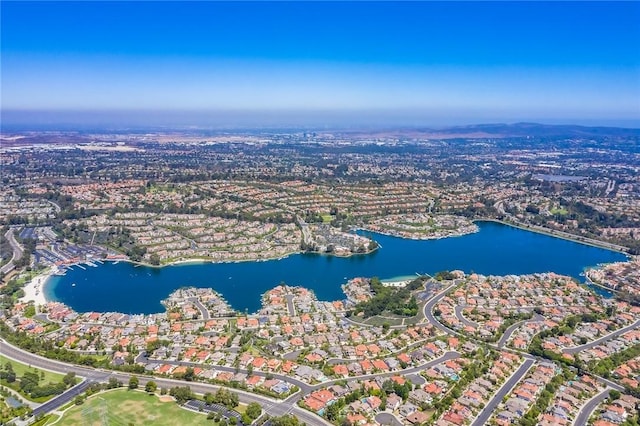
(496, 250)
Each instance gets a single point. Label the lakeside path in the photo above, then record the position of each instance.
(560, 234)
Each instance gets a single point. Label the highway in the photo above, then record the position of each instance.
(483, 416)
(596, 342)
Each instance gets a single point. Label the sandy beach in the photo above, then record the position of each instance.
(33, 290)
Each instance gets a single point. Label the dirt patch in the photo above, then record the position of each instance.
(166, 398)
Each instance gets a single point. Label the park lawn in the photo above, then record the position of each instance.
(21, 368)
(49, 419)
(560, 212)
(123, 407)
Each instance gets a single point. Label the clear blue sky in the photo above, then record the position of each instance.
(434, 62)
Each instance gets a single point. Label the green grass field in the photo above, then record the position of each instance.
(326, 218)
(559, 212)
(124, 407)
(20, 369)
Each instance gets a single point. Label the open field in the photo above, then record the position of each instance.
(20, 369)
(124, 407)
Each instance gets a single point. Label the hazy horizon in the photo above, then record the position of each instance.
(122, 120)
(319, 64)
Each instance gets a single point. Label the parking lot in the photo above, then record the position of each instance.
(213, 408)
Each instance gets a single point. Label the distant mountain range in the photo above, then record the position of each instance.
(500, 131)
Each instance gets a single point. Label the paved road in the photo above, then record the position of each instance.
(305, 387)
(512, 221)
(387, 419)
(62, 399)
(446, 357)
(274, 407)
(17, 251)
(461, 317)
(292, 308)
(509, 331)
(304, 227)
(428, 310)
(596, 342)
(587, 409)
(486, 412)
(203, 310)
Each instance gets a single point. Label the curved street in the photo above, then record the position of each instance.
(586, 410)
(596, 342)
(275, 407)
(509, 331)
(17, 251)
(460, 315)
(271, 406)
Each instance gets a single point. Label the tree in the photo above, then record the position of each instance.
(254, 410)
(333, 412)
(181, 393)
(286, 420)
(70, 379)
(133, 382)
(151, 386)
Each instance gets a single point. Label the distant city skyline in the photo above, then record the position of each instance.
(317, 63)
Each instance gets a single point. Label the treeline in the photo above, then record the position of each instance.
(605, 366)
(30, 383)
(399, 301)
(566, 327)
(545, 397)
(10, 292)
(47, 348)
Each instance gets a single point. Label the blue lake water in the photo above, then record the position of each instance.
(496, 250)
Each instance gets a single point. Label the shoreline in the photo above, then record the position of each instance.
(561, 235)
(590, 282)
(203, 261)
(441, 237)
(34, 290)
